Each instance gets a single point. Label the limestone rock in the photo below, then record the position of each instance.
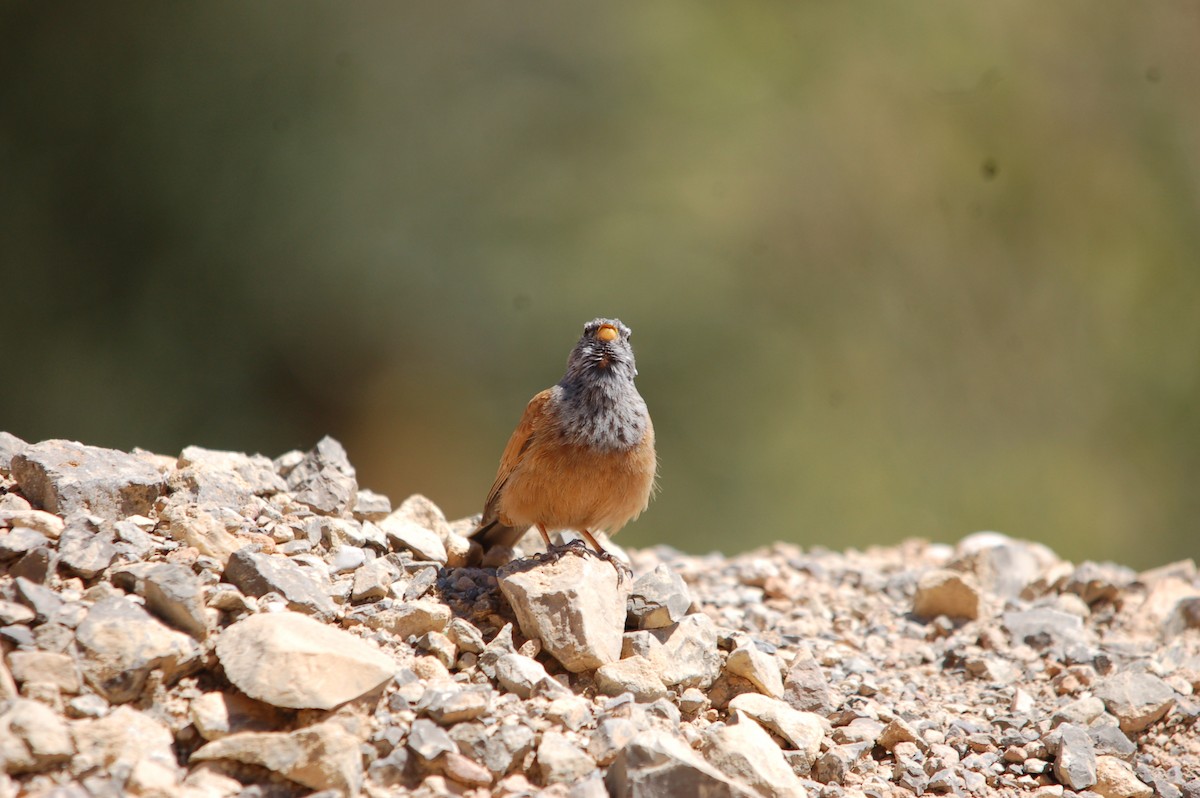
(1043, 627)
(197, 527)
(32, 737)
(805, 687)
(290, 660)
(519, 674)
(759, 667)
(9, 445)
(1075, 765)
(1115, 779)
(946, 593)
(121, 644)
(658, 598)
(83, 550)
(744, 752)
(404, 619)
(1136, 699)
(631, 675)
(689, 652)
(228, 479)
(560, 761)
(1002, 566)
(256, 573)
(64, 477)
(802, 731)
(128, 741)
(172, 592)
(324, 479)
(19, 541)
(47, 667)
(320, 757)
(218, 714)
(402, 533)
(655, 763)
(575, 606)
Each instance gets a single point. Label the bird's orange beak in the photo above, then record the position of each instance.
(607, 333)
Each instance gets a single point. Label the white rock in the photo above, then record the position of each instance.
(290, 660)
(320, 757)
(759, 667)
(745, 752)
(575, 606)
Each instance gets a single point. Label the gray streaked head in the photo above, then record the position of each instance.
(597, 400)
(603, 351)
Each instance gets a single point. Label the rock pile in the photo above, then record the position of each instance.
(218, 624)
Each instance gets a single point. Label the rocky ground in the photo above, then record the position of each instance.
(217, 624)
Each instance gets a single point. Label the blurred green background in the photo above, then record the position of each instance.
(894, 269)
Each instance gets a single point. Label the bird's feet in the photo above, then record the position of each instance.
(577, 546)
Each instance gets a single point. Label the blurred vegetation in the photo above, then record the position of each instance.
(894, 269)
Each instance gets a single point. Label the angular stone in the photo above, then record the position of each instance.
(126, 740)
(324, 479)
(659, 598)
(197, 527)
(219, 714)
(405, 619)
(743, 751)
(631, 675)
(320, 757)
(11, 612)
(802, 731)
(42, 600)
(403, 533)
(948, 593)
(290, 660)
(39, 521)
(371, 506)
(465, 771)
(560, 761)
(1137, 699)
(690, 654)
(1075, 766)
(19, 541)
(121, 644)
(575, 606)
(429, 741)
(465, 635)
(450, 705)
(256, 574)
(506, 748)
(83, 550)
(1115, 779)
(9, 445)
(805, 688)
(59, 670)
(64, 477)
(1003, 566)
(519, 674)
(32, 737)
(172, 592)
(655, 763)
(373, 579)
(760, 668)
(228, 479)
(1081, 712)
(1044, 628)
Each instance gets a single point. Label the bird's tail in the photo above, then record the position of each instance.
(496, 533)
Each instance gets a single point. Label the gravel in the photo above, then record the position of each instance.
(221, 624)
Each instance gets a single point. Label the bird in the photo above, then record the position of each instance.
(582, 457)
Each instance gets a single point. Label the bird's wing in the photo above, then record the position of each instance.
(532, 422)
